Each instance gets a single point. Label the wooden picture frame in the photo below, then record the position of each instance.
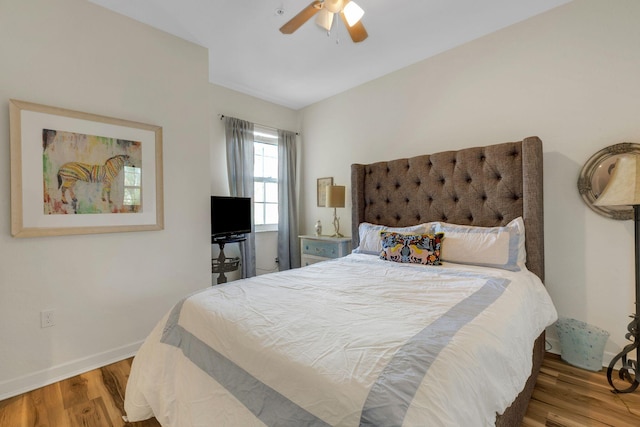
(81, 173)
(322, 190)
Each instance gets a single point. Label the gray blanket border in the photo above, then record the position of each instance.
(392, 393)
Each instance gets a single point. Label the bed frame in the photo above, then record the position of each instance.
(482, 186)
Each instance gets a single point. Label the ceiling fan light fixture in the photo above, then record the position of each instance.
(334, 6)
(352, 13)
(324, 18)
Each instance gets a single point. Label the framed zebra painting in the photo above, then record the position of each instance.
(81, 173)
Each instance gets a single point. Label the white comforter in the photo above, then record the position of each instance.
(349, 342)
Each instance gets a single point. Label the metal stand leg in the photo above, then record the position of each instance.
(222, 264)
(221, 277)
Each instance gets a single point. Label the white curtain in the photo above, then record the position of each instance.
(288, 250)
(239, 137)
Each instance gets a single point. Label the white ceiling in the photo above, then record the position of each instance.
(248, 54)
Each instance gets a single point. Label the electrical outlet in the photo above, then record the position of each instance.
(46, 319)
(277, 260)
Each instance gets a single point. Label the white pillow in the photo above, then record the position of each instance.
(370, 235)
(500, 247)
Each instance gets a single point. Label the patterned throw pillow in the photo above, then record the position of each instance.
(411, 248)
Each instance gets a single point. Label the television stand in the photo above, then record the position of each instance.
(223, 264)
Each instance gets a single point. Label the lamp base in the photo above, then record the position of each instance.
(629, 366)
(629, 370)
(336, 225)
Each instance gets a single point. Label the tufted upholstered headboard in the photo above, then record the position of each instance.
(483, 186)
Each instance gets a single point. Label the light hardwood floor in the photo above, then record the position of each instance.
(564, 396)
(92, 399)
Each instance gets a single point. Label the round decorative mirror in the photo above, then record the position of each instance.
(595, 176)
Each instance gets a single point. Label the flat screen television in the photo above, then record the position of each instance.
(230, 216)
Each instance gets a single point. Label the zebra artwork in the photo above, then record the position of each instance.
(70, 173)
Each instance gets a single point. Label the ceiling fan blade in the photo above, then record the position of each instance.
(357, 31)
(302, 17)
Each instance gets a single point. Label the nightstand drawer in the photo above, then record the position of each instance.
(320, 248)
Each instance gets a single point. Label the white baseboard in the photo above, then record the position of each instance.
(32, 381)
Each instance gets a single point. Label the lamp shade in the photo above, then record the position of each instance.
(623, 187)
(352, 13)
(335, 196)
(324, 18)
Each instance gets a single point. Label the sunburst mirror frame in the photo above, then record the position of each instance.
(595, 175)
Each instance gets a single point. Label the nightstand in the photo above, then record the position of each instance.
(320, 248)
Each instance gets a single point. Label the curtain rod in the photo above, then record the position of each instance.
(221, 116)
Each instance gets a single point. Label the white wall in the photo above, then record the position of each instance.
(569, 76)
(107, 290)
(234, 104)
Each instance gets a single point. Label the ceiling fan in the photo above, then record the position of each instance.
(349, 11)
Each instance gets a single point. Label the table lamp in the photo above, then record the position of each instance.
(335, 199)
(623, 189)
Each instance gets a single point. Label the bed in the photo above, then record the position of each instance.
(431, 335)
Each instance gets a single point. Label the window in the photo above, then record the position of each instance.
(265, 179)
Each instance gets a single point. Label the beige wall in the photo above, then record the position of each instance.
(569, 76)
(107, 290)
